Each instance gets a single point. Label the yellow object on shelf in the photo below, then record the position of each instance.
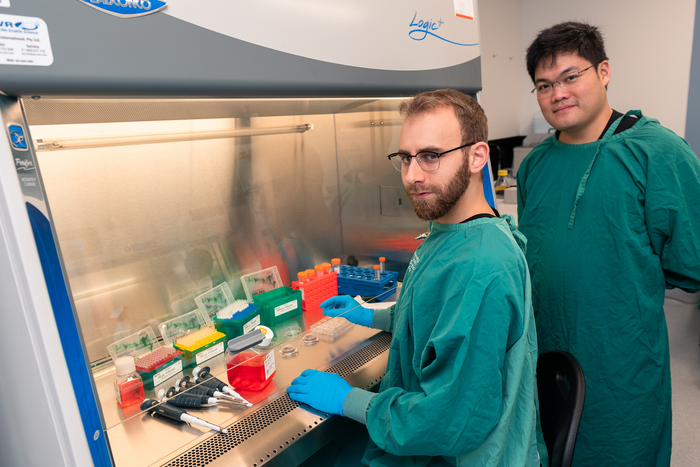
(198, 339)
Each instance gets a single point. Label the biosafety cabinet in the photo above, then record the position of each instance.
(157, 156)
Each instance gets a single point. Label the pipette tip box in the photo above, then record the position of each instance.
(158, 366)
(240, 323)
(278, 305)
(194, 334)
(201, 346)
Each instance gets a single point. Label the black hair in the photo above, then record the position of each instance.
(568, 37)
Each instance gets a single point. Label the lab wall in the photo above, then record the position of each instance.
(649, 45)
(502, 65)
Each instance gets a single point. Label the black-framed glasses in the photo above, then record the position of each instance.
(427, 160)
(564, 81)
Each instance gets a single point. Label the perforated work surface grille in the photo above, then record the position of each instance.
(237, 433)
(362, 356)
(241, 430)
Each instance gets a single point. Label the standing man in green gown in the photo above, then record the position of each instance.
(610, 206)
(460, 379)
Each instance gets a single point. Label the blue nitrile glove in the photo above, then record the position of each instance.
(322, 391)
(348, 308)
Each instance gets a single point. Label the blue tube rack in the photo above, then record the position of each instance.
(361, 281)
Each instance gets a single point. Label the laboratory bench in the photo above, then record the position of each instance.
(274, 431)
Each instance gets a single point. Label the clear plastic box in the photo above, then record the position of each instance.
(195, 335)
(154, 363)
(259, 282)
(172, 329)
(218, 298)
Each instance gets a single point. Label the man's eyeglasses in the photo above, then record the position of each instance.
(428, 161)
(565, 81)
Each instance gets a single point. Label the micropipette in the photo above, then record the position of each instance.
(166, 410)
(186, 386)
(196, 401)
(203, 375)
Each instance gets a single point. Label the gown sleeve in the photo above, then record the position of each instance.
(383, 318)
(461, 370)
(672, 208)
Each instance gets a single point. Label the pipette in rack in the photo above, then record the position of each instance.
(185, 386)
(203, 375)
(195, 401)
(210, 389)
(166, 410)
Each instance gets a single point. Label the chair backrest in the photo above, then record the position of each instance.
(561, 388)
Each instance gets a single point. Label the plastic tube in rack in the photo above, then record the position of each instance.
(336, 265)
(382, 260)
(376, 272)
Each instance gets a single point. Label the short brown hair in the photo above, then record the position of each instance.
(471, 116)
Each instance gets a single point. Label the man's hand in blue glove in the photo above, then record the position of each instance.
(322, 391)
(348, 308)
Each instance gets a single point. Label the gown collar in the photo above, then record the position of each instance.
(506, 222)
(607, 137)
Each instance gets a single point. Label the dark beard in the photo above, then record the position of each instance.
(445, 198)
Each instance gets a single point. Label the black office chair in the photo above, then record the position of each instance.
(562, 392)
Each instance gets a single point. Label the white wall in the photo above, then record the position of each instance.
(502, 65)
(649, 44)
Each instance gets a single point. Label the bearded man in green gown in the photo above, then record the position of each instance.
(460, 379)
(610, 206)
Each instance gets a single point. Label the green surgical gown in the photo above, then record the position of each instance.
(460, 382)
(610, 225)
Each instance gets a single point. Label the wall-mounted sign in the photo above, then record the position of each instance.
(126, 8)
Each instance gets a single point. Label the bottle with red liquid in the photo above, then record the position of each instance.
(128, 386)
(252, 369)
